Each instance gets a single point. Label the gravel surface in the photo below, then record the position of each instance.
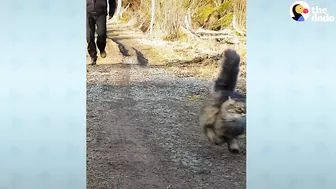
(143, 132)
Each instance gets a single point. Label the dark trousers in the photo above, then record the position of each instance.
(93, 20)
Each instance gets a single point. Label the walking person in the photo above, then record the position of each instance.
(96, 13)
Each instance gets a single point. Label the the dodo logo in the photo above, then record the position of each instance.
(299, 11)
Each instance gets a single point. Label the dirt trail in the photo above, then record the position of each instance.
(142, 126)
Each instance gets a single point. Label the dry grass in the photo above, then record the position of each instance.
(170, 15)
(239, 7)
(179, 63)
(184, 61)
(208, 70)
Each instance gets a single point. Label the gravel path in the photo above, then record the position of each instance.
(143, 132)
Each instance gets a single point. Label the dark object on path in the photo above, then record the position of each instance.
(221, 124)
(96, 13)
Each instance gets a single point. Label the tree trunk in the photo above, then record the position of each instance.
(152, 18)
(119, 6)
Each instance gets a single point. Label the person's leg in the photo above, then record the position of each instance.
(90, 37)
(101, 31)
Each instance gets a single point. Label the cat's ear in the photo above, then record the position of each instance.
(231, 100)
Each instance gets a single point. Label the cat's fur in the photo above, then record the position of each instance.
(221, 124)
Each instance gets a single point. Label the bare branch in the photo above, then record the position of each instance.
(216, 37)
(204, 31)
(189, 33)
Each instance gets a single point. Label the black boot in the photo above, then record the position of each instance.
(93, 61)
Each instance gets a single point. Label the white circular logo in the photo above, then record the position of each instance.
(299, 11)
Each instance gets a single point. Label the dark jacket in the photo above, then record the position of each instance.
(100, 6)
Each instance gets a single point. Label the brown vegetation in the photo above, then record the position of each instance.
(196, 22)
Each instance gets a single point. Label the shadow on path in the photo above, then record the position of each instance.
(121, 47)
(141, 58)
